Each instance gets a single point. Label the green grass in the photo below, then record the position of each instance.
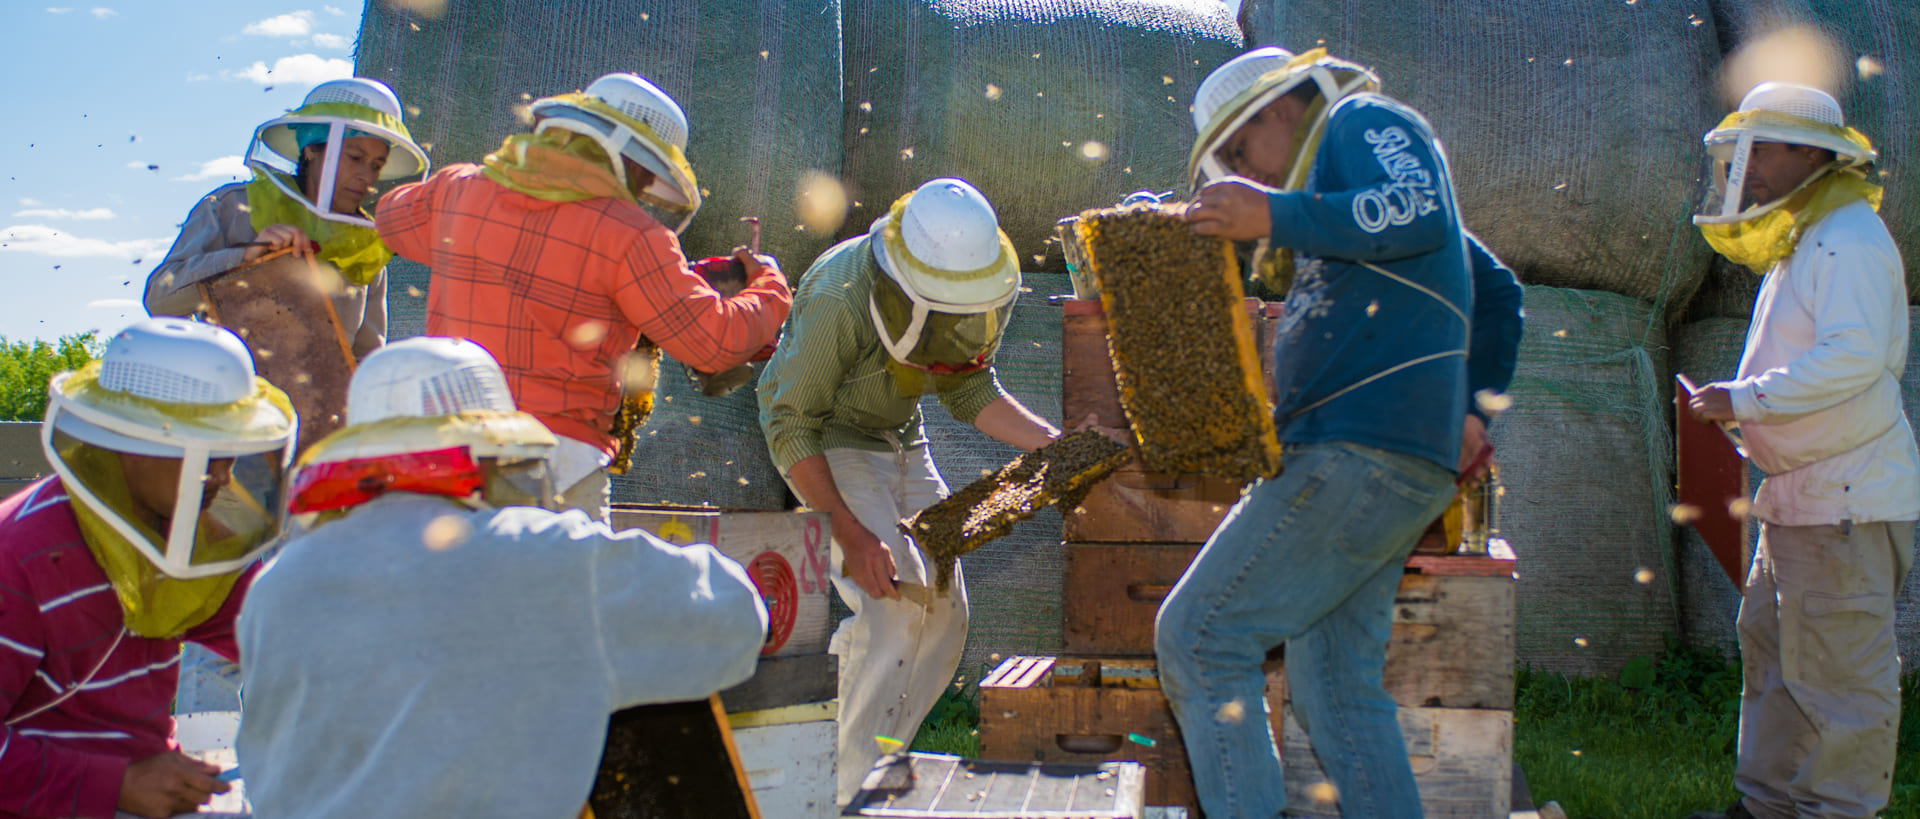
(1655, 742)
(1658, 741)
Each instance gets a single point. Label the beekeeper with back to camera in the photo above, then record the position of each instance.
(1818, 402)
(916, 306)
(435, 643)
(345, 138)
(1395, 318)
(167, 455)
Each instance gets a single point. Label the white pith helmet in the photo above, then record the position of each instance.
(346, 108)
(168, 388)
(1247, 84)
(943, 246)
(1774, 112)
(443, 401)
(629, 99)
(425, 376)
(1232, 77)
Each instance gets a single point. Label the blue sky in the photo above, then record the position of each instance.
(120, 117)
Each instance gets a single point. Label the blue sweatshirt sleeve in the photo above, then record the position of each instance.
(1494, 347)
(1381, 190)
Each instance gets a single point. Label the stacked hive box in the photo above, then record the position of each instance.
(1449, 665)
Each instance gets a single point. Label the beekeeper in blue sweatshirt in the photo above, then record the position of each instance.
(1395, 319)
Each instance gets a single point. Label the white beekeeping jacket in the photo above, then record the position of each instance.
(384, 678)
(1818, 395)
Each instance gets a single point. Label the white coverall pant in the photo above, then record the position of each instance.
(1820, 710)
(896, 657)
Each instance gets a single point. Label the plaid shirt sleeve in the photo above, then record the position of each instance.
(403, 220)
(40, 778)
(676, 308)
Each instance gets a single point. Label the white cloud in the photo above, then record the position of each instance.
(90, 214)
(296, 24)
(52, 10)
(192, 77)
(334, 11)
(299, 69)
(112, 303)
(333, 41)
(48, 241)
(223, 168)
(104, 13)
(32, 203)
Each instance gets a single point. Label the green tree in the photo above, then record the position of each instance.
(26, 366)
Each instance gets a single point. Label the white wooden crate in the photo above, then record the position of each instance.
(789, 756)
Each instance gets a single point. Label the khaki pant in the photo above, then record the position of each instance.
(1820, 711)
(896, 656)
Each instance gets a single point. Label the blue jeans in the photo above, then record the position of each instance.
(1311, 558)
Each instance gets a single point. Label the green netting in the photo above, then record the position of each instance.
(701, 451)
(1907, 627)
(1880, 69)
(1573, 126)
(1049, 107)
(1013, 583)
(1586, 457)
(759, 80)
(1709, 350)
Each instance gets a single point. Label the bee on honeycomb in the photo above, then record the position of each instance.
(1183, 346)
(1061, 472)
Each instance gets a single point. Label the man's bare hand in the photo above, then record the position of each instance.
(276, 238)
(864, 559)
(1119, 435)
(168, 784)
(1711, 404)
(1231, 208)
(1473, 441)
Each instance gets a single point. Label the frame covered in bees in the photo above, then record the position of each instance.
(1060, 472)
(1183, 347)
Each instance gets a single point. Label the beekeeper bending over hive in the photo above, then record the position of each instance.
(916, 306)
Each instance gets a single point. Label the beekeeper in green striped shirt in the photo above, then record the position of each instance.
(915, 307)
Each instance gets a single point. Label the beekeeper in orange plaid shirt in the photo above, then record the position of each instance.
(545, 256)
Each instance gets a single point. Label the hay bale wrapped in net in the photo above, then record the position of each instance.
(1059, 473)
(1182, 343)
(1047, 106)
(1873, 69)
(1586, 457)
(1600, 199)
(700, 450)
(759, 80)
(1728, 292)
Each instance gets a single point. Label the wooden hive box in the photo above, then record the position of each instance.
(1453, 618)
(938, 786)
(1135, 505)
(1067, 710)
(785, 553)
(1462, 761)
